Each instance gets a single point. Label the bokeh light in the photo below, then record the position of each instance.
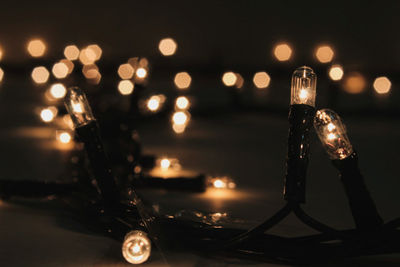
(336, 72)
(87, 56)
(48, 114)
(64, 137)
(36, 48)
(40, 75)
(354, 83)
(1, 53)
(229, 78)
(180, 118)
(182, 102)
(324, 54)
(125, 87)
(70, 65)
(167, 46)
(261, 80)
(1, 74)
(382, 85)
(58, 90)
(283, 52)
(96, 49)
(154, 103)
(71, 52)
(60, 70)
(182, 80)
(126, 71)
(141, 73)
(90, 71)
(179, 128)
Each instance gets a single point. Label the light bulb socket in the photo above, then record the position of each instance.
(300, 122)
(363, 209)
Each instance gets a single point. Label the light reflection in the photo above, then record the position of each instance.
(261, 80)
(354, 83)
(282, 52)
(167, 46)
(40, 75)
(324, 54)
(125, 87)
(336, 72)
(71, 52)
(382, 85)
(36, 48)
(182, 80)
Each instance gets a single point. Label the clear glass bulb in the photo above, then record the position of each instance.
(78, 107)
(332, 133)
(304, 82)
(136, 248)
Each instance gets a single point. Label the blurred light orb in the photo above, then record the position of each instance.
(167, 46)
(71, 52)
(87, 56)
(324, 54)
(141, 73)
(165, 163)
(354, 83)
(58, 90)
(90, 71)
(136, 248)
(261, 80)
(125, 87)
(60, 70)
(96, 50)
(64, 137)
(336, 72)
(1, 74)
(36, 48)
(40, 75)
(153, 104)
(126, 71)
(1, 53)
(48, 114)
(282, 52)
(382, 85)
(179, 128)
(70, 65)
(229, 78)
(182, 102)
(218, 183)
(182, 80)
(180, 118)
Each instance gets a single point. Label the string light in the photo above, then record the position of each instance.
(125, 87)
(58, 90)
(182, 102)
(78, 107)
(261, 80)
(167, 47)
(136, 248)
(336, 72)
(303, 90)
(36, 48)
(40, 75)
(126, 71)
(282, 52)
(332, 134)
(324, 54)
(229, 78)
(382, 85)
(182, 80)
(71, 52)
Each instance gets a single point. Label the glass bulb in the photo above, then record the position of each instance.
(304, 83)
(136, 248)
(332, 133)
(78, 107)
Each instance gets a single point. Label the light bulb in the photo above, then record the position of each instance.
(332, 133)
(136, 248)
(78, 107)
(303, 89)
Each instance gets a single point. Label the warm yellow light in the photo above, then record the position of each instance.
(77, 108)
(324, 54)
(87, 56)
(219, 184)
(136, 247)
(303, 94)
(382, 85)
(165, 163)
(60, 70)
(96, 50)
(125, 87)
(153, 103)
(90, 71)
(70, 65)
(36, 48)
(331, 127)
(1, 53)
(58, 90)
(331, 136)
(68, 121)
(261, 80)
(1, 74)
(336, 72)
(179, 128)
(126, 71)
(48, 114)
(40, 75)
(182, 80)
(182, 102)
(229, 78)
(282, 52)
(141, 72)
(180, 118)
(354, 83)
(167, 46)
(64, 137)
(71, 52)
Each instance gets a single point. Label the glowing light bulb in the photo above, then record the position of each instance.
(222, 182)
(182, 102)
(180, 118)
(48, 114)
(78, 107)
(332, 134)
(64, 137)
(141, 73)
(136, 248)
(153, 104)
(165, 164)
(58, 90)
(303, 89)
